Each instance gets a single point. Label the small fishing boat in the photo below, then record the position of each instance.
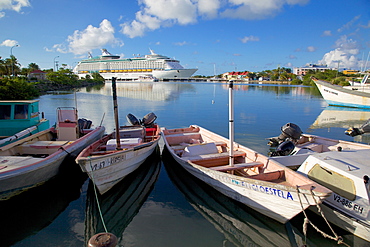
(241, 173)
(343, 96)
(292, 147)
(35, 159)
(336, 164)
(110, 159)
(251, 178)
(20, 118)
(345, 174)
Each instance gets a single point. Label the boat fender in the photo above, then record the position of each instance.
(104, 239)
(132, 119)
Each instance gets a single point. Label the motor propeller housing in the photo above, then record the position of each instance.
(147, 120)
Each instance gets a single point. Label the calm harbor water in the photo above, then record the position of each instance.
(159, 204)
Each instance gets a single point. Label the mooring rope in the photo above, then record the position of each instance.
(97, 199)
(337, 238)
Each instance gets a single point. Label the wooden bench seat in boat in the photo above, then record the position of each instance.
(269, 176)
(9, 163)
(42, 147)
(204, 158)
(237, 166)
(182, 147)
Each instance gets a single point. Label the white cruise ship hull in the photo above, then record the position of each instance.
(158, 74)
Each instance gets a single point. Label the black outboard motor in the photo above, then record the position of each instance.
(147, 120)
(284, 149)
(132, 119)
(365, 128)
(289, 131)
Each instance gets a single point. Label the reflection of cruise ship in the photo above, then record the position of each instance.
(153, 65)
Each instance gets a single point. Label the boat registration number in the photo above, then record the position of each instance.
(347, 203)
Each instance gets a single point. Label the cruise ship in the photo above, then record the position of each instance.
(150, 66)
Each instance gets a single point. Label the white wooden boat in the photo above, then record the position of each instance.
(251, 178)
(342, 172)
(35, 159)
(106, 164)
(118, 154)
(293, 147)
(341, 96)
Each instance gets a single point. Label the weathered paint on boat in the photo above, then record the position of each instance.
(107, 168)
(264, 185)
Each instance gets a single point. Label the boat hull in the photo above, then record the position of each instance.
(339, 96)
(30, 172)
(107, 170)
(263, 196)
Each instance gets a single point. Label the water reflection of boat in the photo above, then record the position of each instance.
(120, 204)
(343, 117)
(241, 225)
(33, 210)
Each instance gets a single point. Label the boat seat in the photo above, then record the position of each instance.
(42, 147)
(237, 166)
(269, 176)
(182, 147)
(215, 156)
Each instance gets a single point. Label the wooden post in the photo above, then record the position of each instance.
(115, 108)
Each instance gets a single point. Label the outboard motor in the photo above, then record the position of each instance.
(148, 119)
(289, 131)
(283, 149)
(365, 128)
(132, 119)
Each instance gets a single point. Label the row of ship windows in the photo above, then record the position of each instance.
(117, 71)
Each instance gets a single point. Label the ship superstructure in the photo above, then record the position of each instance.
(152, 65)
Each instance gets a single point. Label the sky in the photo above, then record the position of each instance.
(214, 36)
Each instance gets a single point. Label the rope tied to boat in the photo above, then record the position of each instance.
(97, 199)
(306, 221)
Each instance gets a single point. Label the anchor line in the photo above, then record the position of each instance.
(97, 199)
(337, 238)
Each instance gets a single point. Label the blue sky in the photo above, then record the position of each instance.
(211, 35)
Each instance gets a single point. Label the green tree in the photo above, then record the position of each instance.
(17, 88)
(62, 76)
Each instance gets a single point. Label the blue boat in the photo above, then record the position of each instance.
(20, 118)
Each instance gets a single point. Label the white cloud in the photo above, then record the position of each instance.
(9, 43)
(311, 48)
(15, 5)
(155, 14)
(249, 39)
(346, 51)
(2, 14)
(327, 33)
(81, 42)
(209, 8)
(349, 24)
(181, 43)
